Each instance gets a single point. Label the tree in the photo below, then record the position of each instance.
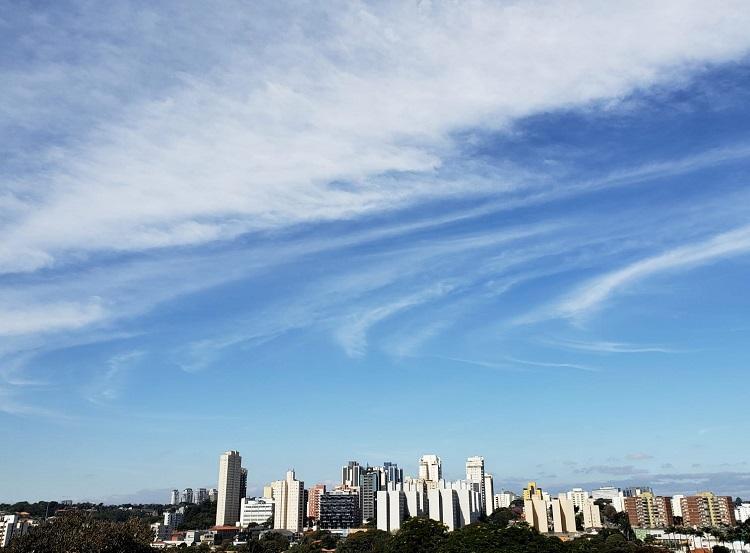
(418, 535)
(502, 517)
(81, 533)
(487, 538)
(372, 541)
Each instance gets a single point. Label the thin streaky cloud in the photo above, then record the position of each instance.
(553, 365)
(612, 347)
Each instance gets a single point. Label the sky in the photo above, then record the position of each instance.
(317, 232)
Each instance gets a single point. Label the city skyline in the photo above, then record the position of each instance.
(374, 231)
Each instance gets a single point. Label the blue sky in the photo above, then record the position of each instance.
(373, 231)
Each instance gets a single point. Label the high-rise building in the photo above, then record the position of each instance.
(578, 496)
(201, 495)
(289, 503)
(707, 509)
(391, 474)
(228, 500)
(187, 495)
(635, 491)
(430, 469)
(649, 511)
(591, 517)
(532, 490)
(243, 483)
(213, 495)
(489, 490)
(613, 496)
(339, 509)
(255, 511)
(174, 497)
(742, 513)
(313, 500)
(563, 515)
(351, 474)
(503, 499)
(475, 474)
(369, 486)
(12, 526)
(677, 505)
(535, 510)
(172, 519)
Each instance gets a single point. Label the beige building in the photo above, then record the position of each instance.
(289, 503)
(230, 483)
(535, 513)
(649, 511)
(707, 509)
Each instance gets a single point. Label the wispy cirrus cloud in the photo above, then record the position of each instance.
(592, 294)
(612, 347)
(278, 136)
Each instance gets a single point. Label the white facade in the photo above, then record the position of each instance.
(430, 468)
(228, 501)
(187, 496)
(489, 494)
(677, 505)
(475, 473)
(742, 513)
(289, 503)
(255, 511)
(174, 497)
(172, 520)
(503, 499)
(578, 496)
(12, 526)
(614, 495)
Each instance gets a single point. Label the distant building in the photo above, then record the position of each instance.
(635, 491)
(614, 496)
(339, 509)
(707, 509)
(201, 495)
(532, 490)
(677, 505)
(430, 469)
(172, 519)
(503, 499)
(255, 511)
(475, 473)
(187, 496)
(591, 517)
(351, 475)
(12, 526)
(289, 503)
(213, 495)
(228, 500)
(455, 504)
(578, 496)
(391, 475)
(243, 483)
(563, 515)
(535, 511)
(742, 513)
(649, 511)
(368, 489)
(174, 497)
(313, 500)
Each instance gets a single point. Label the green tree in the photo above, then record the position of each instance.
(418, 535)
(372, 541)
(502, 517)
(81, 533)
(487, 538)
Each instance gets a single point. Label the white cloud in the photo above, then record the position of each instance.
(593, 293)
(268, 136)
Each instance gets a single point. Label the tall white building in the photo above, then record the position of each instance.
(255, 511)
(535, 513)
(475, 474)
(615, 496)
(489, 491)
(12, 526)
(742, 513)
(351, 475)
(591, 517)
(228, 500)
(201, 495)
(172, 519)
(187, 496)
(677, 505)
(503, 499)
(430, 468)
(289, 503)
(174, 497)
(578, 496)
